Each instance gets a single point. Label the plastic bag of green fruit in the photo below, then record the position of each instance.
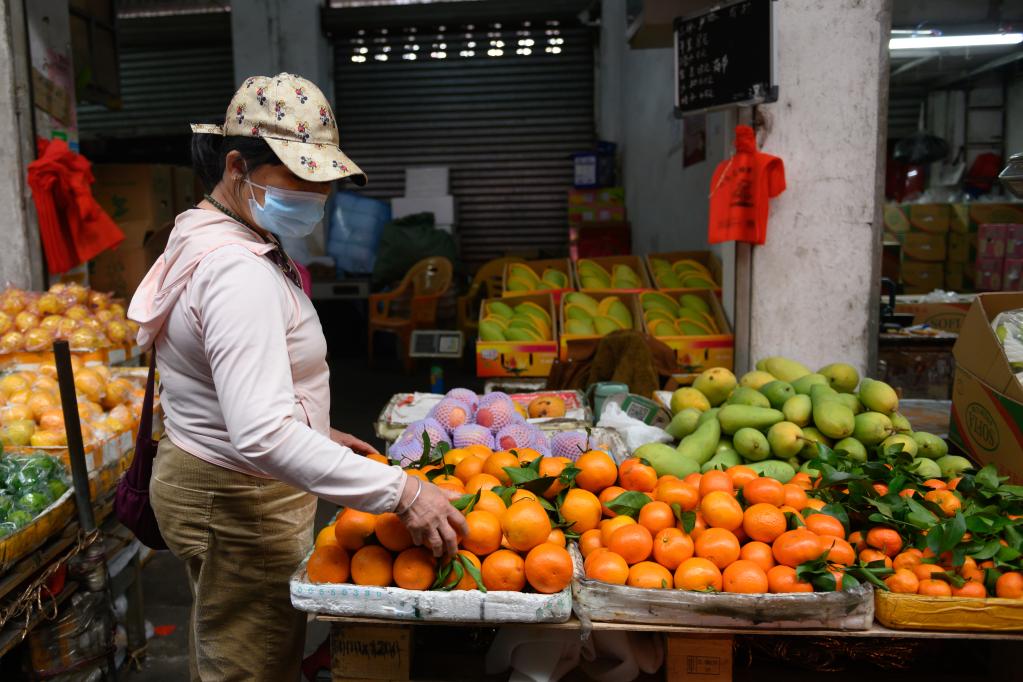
(28, 485)
(1008, 328)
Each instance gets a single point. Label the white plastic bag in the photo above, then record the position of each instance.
(1008, 328)
(634, 432)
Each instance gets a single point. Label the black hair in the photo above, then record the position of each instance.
(209, 155)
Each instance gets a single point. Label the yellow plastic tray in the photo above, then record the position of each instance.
(918, 612)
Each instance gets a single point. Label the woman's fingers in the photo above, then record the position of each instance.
(433, 522)
(434, 542)
(450, 546)
(457, 522)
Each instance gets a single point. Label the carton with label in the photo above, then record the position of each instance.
(1012, 275)
(991, 241)
(989, 274)
(946, 316)
(923, 246)
(1014, 241)
(934, 218)
(987, 398)
(922, 278)
(962, 247)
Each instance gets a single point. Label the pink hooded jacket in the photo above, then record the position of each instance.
(244, 381)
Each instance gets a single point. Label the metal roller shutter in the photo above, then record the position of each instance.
(505, 124)
(174, 70)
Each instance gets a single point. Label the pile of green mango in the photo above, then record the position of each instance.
(586, 316)
(773, 417)
(28, 485)
(682, 274)
(526, 322)
(593, 275)
(689, 316)
(521, 278)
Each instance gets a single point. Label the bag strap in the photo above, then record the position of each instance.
(146, 418)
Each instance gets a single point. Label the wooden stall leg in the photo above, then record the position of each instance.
(359, 653)
(699, 658)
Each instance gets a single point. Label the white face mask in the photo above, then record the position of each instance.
(287, 212)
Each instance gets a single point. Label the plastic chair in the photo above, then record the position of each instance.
(422, 288)
(486, 284)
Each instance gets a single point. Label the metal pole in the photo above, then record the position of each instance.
(96, 575)
(73, 427)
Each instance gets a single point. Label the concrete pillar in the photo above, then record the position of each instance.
(20, 257)
(270, 36)
(815, 282)
(610, 69)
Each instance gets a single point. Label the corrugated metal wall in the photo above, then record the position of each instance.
(174, 70)
(505, 125)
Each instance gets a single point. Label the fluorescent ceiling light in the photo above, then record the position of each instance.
(982, 40)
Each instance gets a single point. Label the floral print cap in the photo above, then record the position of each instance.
(295, 119)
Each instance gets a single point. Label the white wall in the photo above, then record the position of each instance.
(667, 204)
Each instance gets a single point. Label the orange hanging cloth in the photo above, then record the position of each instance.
(740, 190)
(74, 228)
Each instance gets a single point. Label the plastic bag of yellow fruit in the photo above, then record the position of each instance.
(17, 432)
(120, 419)
(51, 304)
(13, 301)
(118, 392)
(90, 384)
(38, 340)
(12, 342)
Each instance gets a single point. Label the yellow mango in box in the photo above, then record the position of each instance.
(582, 300)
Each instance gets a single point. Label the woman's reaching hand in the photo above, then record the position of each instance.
(359, 447)
(426, 511)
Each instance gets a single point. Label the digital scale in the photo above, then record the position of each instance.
(436, 343)
(440, 344)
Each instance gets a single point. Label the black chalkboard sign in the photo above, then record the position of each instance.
(724, 57)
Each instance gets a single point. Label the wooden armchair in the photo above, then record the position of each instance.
(422, 287)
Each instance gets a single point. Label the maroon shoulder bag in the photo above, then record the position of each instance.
(131, 504)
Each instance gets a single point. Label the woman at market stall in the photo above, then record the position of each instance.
(244, 386)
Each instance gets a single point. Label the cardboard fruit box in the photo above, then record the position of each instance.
(987, 398)
(575, 345)
(705, 258)
(956, 614)
(518, 358)
(562, 265)
(947, 316)
(608, 263)
(694, 354)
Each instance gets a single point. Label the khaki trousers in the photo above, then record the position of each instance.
(241, 538)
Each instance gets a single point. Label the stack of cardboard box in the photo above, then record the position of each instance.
(596, 223)
(143, 199)
(959, 247)
(1000, 257)
(922, 229)
(999, 245)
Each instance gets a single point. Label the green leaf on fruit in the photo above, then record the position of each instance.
(628, 503)
(466, 502)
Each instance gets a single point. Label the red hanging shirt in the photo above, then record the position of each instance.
(740, 190)
(74, 228)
